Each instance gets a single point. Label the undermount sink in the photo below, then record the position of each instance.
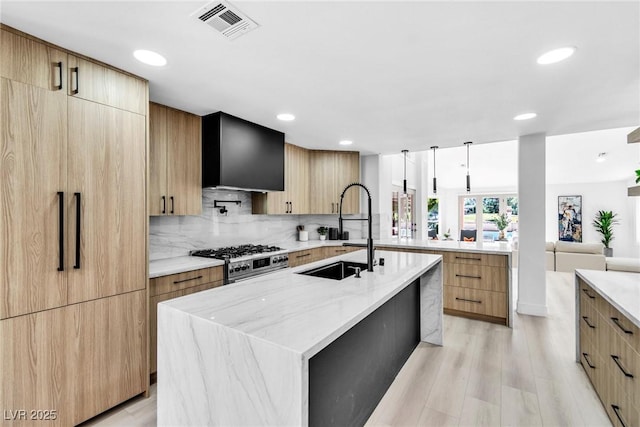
(336, 270)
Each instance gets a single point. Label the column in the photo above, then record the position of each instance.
(532, 298)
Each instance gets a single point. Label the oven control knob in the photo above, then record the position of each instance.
(277, 259)
(245, 266)
(285, 258)
(236, 268)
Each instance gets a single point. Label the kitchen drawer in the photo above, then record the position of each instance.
(591, 361)
(329, 251)
(591, 323)
(476, 277)
(304, 257)
(475, 259)
(623, 364)
(153, 316)
(476, 301)
(627, 330)
(625, 414)
(188, 279)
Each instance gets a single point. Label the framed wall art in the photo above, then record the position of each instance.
(570, 218)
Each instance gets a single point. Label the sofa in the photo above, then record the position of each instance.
(623, 264)
(571, 255)
(550, 256)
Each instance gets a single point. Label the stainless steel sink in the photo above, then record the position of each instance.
(336, 270)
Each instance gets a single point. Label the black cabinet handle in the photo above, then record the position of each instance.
(586, 357)
(302, 256)
(171, 198)
(624, 371)
(186, 280)
(619, 325)
(468, 277)
(469, 300)
(59, 66)
(164, 205)
(341, 250)
(76, 71)
(61, 231)
(616, 409)
(588, 294)
(586, 320)
(78, 209)
(290, 207)
(472, 259)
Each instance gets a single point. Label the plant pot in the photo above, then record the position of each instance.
(323, 237)
(303, 236)
(608, 252)
(501, 235)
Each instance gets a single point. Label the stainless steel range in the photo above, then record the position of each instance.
(244, 261)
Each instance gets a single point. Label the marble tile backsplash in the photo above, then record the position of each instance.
(173, 236)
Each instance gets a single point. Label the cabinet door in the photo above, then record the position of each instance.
(106, 165)
(323, 197)
(27, 61)
(34, 362)
(158, 192)
(33, 147)
(110, 357)
(97, 83)
(184, 163)
(297, 176)
(347, 172)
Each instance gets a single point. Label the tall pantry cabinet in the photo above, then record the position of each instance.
(73, 227)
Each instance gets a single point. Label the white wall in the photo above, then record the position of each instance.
(609, 196)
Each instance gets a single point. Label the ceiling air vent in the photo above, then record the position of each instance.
(226, 19)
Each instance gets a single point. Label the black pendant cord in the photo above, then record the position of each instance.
(405, 171)
(468, 176)
(435, 186)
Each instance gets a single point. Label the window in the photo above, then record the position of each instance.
(493, 205)
(433, 218)
(403, 222)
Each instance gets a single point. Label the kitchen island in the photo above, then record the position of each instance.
(282, 348)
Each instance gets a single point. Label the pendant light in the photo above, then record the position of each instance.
(404, 184)
(435, 187)
(468, 143)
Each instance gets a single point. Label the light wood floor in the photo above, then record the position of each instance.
(484, 375)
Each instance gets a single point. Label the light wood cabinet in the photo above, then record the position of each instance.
(27, 61)
(331, 172)
(104, 85)
(306, 256)
(330, 251)
(172, 286)
(73, 231)
(608, 355)
(175, 166)
(295, 197)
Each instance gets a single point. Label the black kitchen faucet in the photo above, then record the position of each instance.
(370, 255)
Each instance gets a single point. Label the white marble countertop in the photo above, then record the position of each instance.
(304, 313)
(619, 288)
(165, 267)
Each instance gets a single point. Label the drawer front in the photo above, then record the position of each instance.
(330, 251)
(629, 332)
(476, 301)
(590, 295)
(476, 277)
(622, 412)
(304, 257)
(624, 366)
(188, 279)
(591, 323)
(475, 259)
(590, 360)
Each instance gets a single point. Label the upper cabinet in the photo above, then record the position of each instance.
(295, 197)
(27, 61)
(331, 172)
(103, 85)
(174, 162)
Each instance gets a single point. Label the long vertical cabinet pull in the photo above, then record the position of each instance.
(171, 198)
(61, 231)
(75, 71)
(164, 204)
(78, 197)
(59, 67)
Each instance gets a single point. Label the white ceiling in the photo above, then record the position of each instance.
(388, 75)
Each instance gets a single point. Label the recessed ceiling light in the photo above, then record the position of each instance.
(286, 117)
(150, 58)
(556, 55)
(525, 116)
(601, 157)
(346, 142)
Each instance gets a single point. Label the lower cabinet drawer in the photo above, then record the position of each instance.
(471, 258)
(188, 279)
(623, 364)
(330, 251)
(476, 276)
(476, 301)
(304, 257)
(622, 412)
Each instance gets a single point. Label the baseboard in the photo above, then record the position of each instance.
(532, 309)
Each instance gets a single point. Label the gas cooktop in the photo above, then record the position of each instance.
(235, 251)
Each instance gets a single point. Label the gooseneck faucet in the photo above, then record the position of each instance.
(370, 255)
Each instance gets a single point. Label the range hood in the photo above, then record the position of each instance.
(238, 154)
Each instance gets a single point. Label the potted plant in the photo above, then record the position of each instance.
(604, 222)
(502, 221)
(637, 176)
(447, 235)
(322, 231)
